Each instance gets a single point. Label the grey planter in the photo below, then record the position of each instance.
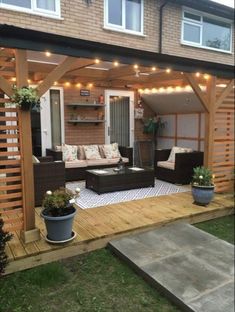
(59, 228)
(202, 195)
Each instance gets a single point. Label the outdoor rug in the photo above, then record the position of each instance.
(90, 199)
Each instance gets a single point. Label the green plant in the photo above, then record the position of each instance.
(57, 203)
(153, 126)
(202, 176)
(4, 238)
(26, 98)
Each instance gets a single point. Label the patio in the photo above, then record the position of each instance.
(97, 226)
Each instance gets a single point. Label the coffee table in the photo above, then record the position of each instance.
(109, 180)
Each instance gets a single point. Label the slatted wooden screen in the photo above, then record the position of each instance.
(10, 169)
(223, 153)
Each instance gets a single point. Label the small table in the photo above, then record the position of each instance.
(109, 180)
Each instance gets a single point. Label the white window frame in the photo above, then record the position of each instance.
(122, 28)
(34, 9)
(189, 21)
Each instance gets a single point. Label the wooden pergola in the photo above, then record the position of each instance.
(219, 123)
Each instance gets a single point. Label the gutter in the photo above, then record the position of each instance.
(161, 25)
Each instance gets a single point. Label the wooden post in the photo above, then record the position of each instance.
(30, 232)
(210, 122)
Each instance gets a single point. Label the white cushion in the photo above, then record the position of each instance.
(114, 161)
(76, 164)
(166, 164)
(81, 152)
(97, 162)
(92, 152)
(69, 152)
(35, 159)
(111, 151)
(175, 150)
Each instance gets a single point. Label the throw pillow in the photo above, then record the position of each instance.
(111, 151)
(69, 152)
(174, 150)
(92, 152)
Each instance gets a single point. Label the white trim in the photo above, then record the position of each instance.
(129, 94)
(122, 28)
(34, 10)
(200, 23)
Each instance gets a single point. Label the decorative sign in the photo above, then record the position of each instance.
(139, 113)
(84, 92)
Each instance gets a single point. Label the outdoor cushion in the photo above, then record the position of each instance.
(166, 164)
(111, 151)
(116, 160)
(92, 152)
(177, 149)
(35, 160)
(76, 164)
(81, 152)
(97, 162)
(69, 152)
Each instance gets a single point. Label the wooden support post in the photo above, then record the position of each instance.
(210, 122)
(30, 232)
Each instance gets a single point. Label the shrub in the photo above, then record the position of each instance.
(202, 176)
(4, 238)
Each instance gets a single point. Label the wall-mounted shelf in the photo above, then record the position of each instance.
(95, 121)
(90, 105)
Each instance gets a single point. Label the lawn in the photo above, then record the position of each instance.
(97, 281)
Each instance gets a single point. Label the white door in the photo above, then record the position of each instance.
(48, 122)
(119, 117)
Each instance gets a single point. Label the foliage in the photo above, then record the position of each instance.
(202, 176)
(26, 98)
(153, 125)
(4, 238)
(57, 203)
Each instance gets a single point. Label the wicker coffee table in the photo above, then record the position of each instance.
(109, 180)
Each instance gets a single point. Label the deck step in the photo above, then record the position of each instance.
(192, 268)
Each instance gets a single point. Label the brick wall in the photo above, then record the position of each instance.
(91, 133)
(172, 36)
(86, 22)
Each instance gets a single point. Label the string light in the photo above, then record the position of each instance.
(55, 83)
(29, 80)
(206, 76)
(140, 91)
(13, 79)
(154, 68)
(67, 84)
(78, 85)
(197, 74)
(48, 54)
(97, 61)
(136, 66)
(116, 64)
(168, 70)
(154, 90)
(90, 85)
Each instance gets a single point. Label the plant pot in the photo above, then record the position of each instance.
(59, 228)
(202, 195)
(25, 106)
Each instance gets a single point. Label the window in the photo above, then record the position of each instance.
(124, 15)
(207, 32)
(41, 7)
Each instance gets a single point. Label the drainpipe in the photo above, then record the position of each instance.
(161, 24)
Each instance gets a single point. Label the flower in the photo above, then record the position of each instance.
(202, 176)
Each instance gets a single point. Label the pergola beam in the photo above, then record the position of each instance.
(224, 94)
(196, 88)
(55, 74)
(5, 86)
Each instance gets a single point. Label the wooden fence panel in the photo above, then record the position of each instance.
(11, 201)
(223, 150)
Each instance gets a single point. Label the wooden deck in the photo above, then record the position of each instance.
(97, 226)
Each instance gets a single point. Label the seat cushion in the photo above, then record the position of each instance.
(166, 164)
(81, 152)
(92, 152)
(76, 164)
(97, 162)
(114, 161)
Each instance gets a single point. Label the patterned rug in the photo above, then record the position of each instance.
(90, 199)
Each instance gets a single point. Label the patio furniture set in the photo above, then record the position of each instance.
(97, 164)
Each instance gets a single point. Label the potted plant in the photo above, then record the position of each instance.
(26, 98)
(58, 213)
(202, 186)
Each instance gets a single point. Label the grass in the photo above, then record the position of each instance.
(95, 282)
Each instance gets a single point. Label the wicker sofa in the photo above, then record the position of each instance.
(48, 175)
(179, 172)
(76, 170)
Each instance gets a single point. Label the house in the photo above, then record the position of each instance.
(77, 52)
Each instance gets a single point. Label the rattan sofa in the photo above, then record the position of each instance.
(183, 166)
(79, 173)
(48, 175)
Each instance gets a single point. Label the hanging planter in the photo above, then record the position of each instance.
(26, 98)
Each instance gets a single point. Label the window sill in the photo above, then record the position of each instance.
(33, 13)
(205, 48)
(124, 31)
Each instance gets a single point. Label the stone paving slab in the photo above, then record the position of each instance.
(192, 267)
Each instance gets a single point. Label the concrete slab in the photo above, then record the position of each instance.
(193, 268)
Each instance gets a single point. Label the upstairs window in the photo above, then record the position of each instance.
(207, 32)
(41, 7)
(124, 15)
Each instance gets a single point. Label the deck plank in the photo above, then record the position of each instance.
(97, 226)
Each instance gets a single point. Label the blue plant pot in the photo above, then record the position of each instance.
(59, 228)
(202, 195)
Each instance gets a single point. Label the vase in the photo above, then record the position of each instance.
(202, 195)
